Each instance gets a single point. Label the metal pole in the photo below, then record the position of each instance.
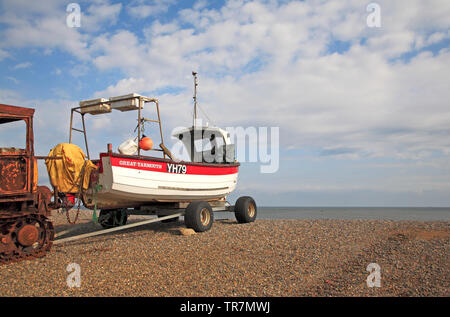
(139, 124)
(96, 233)
(85, 137)
(71, 119)
(30, 152)
(195, 97)
(160, 127)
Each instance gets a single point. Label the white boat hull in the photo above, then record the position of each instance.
(127, 181)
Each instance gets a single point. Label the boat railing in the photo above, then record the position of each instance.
(103, 105)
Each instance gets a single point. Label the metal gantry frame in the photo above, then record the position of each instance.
(141, 120)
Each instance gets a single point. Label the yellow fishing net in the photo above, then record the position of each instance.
(66, 174)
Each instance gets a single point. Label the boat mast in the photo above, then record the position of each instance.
(195, 97)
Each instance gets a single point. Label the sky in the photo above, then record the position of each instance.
(363, 111)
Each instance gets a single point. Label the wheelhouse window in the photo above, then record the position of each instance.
(13, 136)
(208, 144)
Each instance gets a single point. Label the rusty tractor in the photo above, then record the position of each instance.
(25, 230)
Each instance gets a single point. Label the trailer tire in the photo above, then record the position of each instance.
(245, 209)
(112, 218)
(199, 216)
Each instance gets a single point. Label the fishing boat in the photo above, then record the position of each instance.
(126, 181)
(128, 178)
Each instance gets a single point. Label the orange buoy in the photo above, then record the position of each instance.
(146, 143)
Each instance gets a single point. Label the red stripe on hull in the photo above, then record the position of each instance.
(177, 168)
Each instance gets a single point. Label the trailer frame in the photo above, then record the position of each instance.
(174, 213)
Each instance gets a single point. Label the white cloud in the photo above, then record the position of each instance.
(43, 25)
(99, 15)
(142, 9)
(433, 38)
(13, 79)
(22, 65)
(50, 32)
(124, 86)
(9, 97)
(3, 54)
(77, 71)
(160, 29)
(123, 46)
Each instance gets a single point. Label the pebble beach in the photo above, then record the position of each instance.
(325, 257)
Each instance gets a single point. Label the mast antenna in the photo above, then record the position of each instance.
(195, 97)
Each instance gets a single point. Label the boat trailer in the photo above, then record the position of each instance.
(225, 208)
(104, 231)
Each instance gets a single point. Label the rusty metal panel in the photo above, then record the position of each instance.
(16, 111)
(16, 164)
(13, 174)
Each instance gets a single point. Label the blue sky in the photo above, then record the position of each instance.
(363, 112)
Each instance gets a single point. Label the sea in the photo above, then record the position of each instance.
(348, 213)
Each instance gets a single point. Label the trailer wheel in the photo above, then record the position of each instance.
(112, 218)
(245, 209)
(199, 216)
